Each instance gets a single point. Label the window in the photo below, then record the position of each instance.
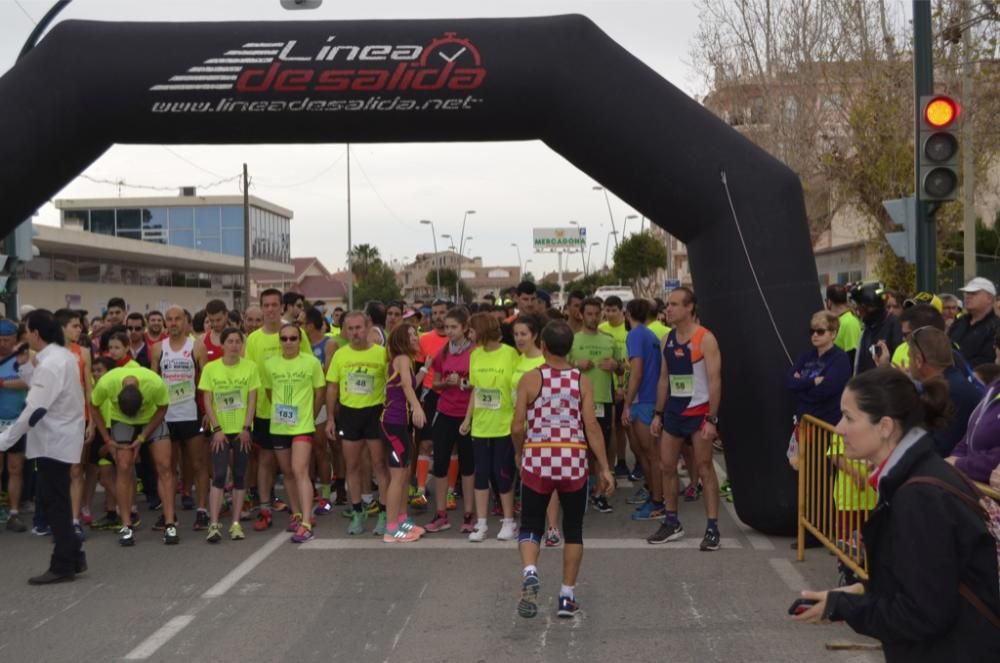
(232, 241)
(102, 221)
(498, 274)
(76, 218)
(467, 274)
(232, 217)
(154, 225)
(129, 223)
(206, 221)
(182, 227)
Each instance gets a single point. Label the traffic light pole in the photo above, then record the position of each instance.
(923, 84)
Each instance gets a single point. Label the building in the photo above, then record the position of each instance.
(153, 252)
(309, 277)
(482, 280)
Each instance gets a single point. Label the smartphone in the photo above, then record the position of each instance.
(875, 350)
(801, 605)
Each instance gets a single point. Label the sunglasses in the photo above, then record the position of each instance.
(818, 332)
(135, 328)
(289, 339)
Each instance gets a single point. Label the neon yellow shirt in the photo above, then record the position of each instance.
(849, 334)
(293, 384)
(491, 374)
(260, 347)
(618, 333)
(230, 387)
(596, 347)
(846, 495)
(659, 329)
(151, 385)
(523, 365)
(360, 374)
(901, 357)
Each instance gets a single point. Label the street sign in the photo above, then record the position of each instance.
(903, 212)
(550, 240)
(671, 284)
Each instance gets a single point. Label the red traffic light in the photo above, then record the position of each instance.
(941, 111)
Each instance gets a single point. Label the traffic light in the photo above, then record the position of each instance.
(938, 174)
(8, 271)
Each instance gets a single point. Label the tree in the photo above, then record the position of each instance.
(449, 277)
(637, 260)
(528, 276)
(378, 283)
(362, 258)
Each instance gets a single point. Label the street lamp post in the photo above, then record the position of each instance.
(630, 216)
(611, 216)
(582, 257)
(437, 266)
(590, 250)
(520, 265)
(607, 245)
(461, 252)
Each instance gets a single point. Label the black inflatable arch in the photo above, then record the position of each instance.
(559, 79)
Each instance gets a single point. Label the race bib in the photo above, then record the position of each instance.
(682, 386)
(180, 392)
(229, 401)
(287, 415)
(598, 410)
(487, 399)
(360, 384)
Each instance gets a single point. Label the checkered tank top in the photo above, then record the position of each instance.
(555, 447)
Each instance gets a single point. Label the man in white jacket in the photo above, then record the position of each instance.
(51, 419)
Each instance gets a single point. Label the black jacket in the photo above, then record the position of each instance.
(975, 341)
(878, 326)
(921, 543)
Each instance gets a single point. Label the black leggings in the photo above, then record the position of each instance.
(494, 462)
(220, 463)
(533, 506)
(446, 437)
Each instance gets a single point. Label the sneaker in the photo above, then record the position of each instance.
(41, 530)
(508, 530)
(187, 502)
(658, 511)
(568, 607)
(136, 520)
(214, 533)
(126, 537)
(86, 517)
(527, 607)
(439, 524)
(293, 523)
(263, 521)
(452, 501)
(726, 491)
(419, 502)
(645, 512)
(636, 474)
(303, 535)
(468, 523)
(372, 508)
(200, 520)
(278, 505)
(552, 538)
(379, 529)
(357, 525)
(236, 532)
(640, 496)
(410, 526)
(478, 534)
(160, 524)
(81, 536)
(170, 536)
(246, 511)
(110, 521)
(400, 535)
(155, 504)
(691, 493)
(601, 504)
(621, 470)
(322, 507)
(711, 540)
(15, 523)
(666, 533)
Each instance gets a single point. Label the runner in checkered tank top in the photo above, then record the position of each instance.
(554, 425)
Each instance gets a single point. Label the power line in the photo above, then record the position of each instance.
(305, 181)
(25, 12)
(191, 163)
(121, 183)
(378, 195)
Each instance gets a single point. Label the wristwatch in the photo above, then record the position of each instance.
(712, 419)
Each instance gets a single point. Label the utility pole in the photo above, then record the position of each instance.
(923, 84)
(350, 247)
(968, 155)
(246, 238)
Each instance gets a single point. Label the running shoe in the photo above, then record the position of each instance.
(726, 491)
(666, 533)
(126, 537)
(411, 526)
(711, 540)
(379, 529)
(154, 504)
(294, 523)
(645, 512)
(160, 523)
(81, 536)
(568, 607)
(640, 496)
(400, 535)
(41, 530)
(658, 511)
(85, 516)
(278, 505)
(245, 512)
(322, 507)
(263, 521)
(419, 502)
(601, 504)
(303, 535)
(16, 524)
(372, 508)
(439, 524)
(527, 607)
(452, 502)
(621, 470)
(187, 502)
(136, 520)
(236, 532)
(109, 521)
(214, 533)
(357, 525)
(508, 530)
(170, 535)
(468, 523)
(200, 520)
(691, 493)
(636, 474)
(478, 534)
(552, 538)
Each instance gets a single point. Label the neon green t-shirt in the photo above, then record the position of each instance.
(596, 347)
(619, 333)
(260, 347)
(901, 357)
(491, 374)
(151, 385)
(293, 384)
(846, 495)
(659, 329)
(360, 375)
(849, 334)
(230, 387)
(523, 365)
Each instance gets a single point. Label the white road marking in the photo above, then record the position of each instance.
(429, 543)
(149, 646)
(788, 574)
(406, 622)
(245, 567)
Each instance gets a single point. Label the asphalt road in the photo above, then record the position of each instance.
(439, 599)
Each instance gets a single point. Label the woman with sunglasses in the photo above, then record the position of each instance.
(295, 386)
(821, 373)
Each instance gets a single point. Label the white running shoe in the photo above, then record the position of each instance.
(508, 531)
(478, 534)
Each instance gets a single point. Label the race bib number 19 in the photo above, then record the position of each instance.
(228, 401)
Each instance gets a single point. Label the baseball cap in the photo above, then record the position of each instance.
(980, 284)
(7, 328)
(925, 298)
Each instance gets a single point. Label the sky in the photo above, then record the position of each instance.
(513, 187)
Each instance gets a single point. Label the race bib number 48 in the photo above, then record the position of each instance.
(360, 384)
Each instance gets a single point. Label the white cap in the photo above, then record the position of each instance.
(26, 309)
(980, 284)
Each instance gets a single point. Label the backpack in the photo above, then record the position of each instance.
(987, 509)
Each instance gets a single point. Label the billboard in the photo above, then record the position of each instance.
(551, 240)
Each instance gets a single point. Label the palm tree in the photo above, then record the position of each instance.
(363, 257)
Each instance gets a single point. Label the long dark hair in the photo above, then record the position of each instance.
(888, 392)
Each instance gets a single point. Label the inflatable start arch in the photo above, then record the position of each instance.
(560, 79)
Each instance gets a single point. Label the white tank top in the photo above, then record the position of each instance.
(178, 371)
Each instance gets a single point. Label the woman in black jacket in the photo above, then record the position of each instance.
(933, 589)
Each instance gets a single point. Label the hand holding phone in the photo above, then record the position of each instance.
(801, 605)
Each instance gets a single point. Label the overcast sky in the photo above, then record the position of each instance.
(513, 187)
